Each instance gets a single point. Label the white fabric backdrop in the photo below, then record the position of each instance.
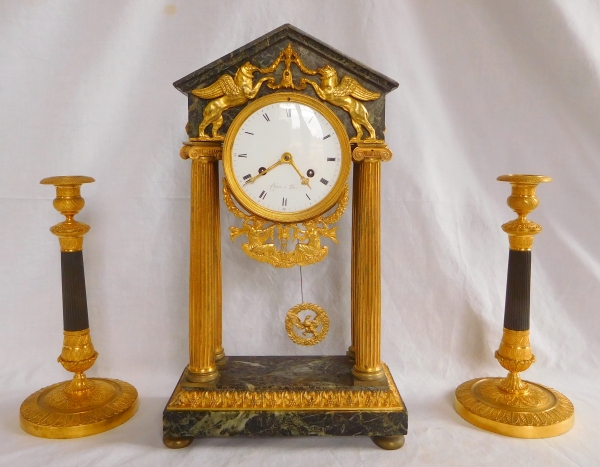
(486, 88)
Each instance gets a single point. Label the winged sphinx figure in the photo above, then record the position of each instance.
(227, 92)
(345, 95)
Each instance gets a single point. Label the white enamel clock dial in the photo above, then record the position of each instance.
(287, 158)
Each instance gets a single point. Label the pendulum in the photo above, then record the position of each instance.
(313, 329)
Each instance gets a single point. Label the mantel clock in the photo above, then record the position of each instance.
(289, 118)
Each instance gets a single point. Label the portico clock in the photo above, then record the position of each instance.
(287, 142)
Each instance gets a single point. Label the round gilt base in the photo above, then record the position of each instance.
(540, 413)
(53, 412)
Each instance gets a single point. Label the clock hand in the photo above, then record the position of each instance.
(251, 179)
(305, 180)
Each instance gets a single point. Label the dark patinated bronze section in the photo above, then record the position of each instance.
(518, 283)
(262, 52)
(75, 312)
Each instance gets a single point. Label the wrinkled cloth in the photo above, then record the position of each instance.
(486, 88)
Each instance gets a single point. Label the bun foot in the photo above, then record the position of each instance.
(389, 442)
(177, 443)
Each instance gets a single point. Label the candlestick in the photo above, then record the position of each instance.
(82, 406)
(510, 406)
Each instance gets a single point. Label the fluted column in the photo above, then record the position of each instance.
(366, 270)
(205, 264)
(351, 353)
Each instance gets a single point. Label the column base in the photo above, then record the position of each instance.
(219, 354)
(205, 377)
(368, 375)
(540, 413)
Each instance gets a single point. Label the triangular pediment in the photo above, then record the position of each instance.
(257, 52)
(285, 59)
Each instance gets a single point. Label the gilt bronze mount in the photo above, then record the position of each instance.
(83, 406)
(510, 406)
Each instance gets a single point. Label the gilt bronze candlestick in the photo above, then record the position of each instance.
(82, 406)
(510, 406)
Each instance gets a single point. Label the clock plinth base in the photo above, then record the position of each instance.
(286, 396)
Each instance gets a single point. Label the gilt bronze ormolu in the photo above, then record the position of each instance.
(350, 395)
(511, 406)
(82, 406)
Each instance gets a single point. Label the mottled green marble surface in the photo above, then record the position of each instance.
(263, 51)
(291, 372)
(285, 373)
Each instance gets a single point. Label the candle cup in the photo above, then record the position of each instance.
(511, 406)
(82, 406)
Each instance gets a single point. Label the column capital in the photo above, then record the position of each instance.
(371, 152)
(202, 151)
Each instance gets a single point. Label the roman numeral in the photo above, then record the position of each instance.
(324, 182)
(246, 177)
(331, 159)
(284, 202)
(288, 112)
(263, 195)
(248, 133)
(325, 137)
(244, 155)
(266, 117)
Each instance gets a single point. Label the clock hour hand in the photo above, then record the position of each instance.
(252, 179)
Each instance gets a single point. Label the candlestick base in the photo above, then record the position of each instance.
(59, 411)
(535, 412)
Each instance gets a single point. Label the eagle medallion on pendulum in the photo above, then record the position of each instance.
(308, 329)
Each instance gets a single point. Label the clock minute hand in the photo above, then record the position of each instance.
(305, 180)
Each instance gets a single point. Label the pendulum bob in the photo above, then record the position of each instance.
(81, 406)
(511, 406)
